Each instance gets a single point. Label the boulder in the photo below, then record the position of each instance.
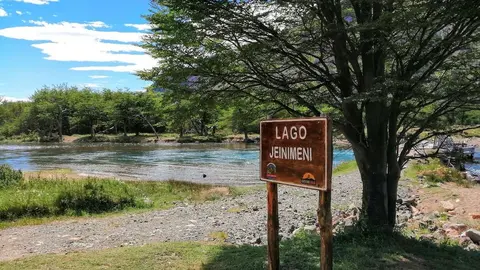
(454, 230)
(447, 206)
(474, 235)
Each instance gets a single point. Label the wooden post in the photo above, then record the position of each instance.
(326, 234)
(272, 227)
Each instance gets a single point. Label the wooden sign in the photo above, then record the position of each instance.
(296, 152)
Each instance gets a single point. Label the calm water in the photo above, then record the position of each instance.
(222, 163)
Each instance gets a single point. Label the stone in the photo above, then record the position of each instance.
(403, 217)
(296, 231)
(447, 206)
(473, 247)
(454, 230)
(410, 201)
(474, 235)
(475, 215)
(465, 241)
(415, 211)
(427, 237)
(255, 208)
(310, 228)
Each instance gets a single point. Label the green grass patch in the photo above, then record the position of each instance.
(345, 167)
(351, 251)
(38, 200)
(471, 133)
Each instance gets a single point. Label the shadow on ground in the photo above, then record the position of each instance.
(351, 251)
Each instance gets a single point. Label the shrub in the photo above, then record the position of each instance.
(9, 176)
(95, 197)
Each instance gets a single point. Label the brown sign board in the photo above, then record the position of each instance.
(297, 152)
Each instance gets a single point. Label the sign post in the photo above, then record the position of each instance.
(298, 152)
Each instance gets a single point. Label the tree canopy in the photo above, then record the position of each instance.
(385, 71)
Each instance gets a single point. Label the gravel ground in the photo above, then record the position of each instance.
(243, 219)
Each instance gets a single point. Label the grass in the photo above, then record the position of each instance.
(345, 167)
(351, 251)
(434, 172)
(38, 200)
(471, 133)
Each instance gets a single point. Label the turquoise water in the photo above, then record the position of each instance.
(221, 163)
(474, 167)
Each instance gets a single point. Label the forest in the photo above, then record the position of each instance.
(59, 110)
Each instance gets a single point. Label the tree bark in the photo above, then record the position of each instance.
(60, 127)
(92, 130)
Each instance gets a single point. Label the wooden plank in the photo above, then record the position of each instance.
(273, 227)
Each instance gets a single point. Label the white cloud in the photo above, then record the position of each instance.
(13, 99)
(98, 76)
(91, 85)
(83, 42)
(19, 12)
(141, 27)
(3, 13)
(37, 2)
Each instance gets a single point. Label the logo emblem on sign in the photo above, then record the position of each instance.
(271, 171)
(308, 178)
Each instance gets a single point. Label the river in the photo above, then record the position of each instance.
(221, 163)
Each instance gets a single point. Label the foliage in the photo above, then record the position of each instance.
(9, 177)
(380, 69)
(62, 110)
(351, 252)
(433, 171)
(47, 198)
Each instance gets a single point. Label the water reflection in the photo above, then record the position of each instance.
(222, 163)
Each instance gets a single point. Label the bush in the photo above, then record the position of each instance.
(435, 172)
(9, 176)
(95, 197)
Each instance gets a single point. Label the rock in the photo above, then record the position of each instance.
(403, 217)
(255, 208)
(258, 241)
(432, 228)
(475, 215)
(474, 235)
(427, 237)
(291, 229)
(454, 230)
(465, 241)
(350, 221)
(453, 213)
(447, 206)
(310, 228)
(296, 231)
(415, 211)
(473, 247)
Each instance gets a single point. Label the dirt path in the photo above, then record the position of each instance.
(243, 220)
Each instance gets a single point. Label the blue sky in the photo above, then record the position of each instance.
(78, 42)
